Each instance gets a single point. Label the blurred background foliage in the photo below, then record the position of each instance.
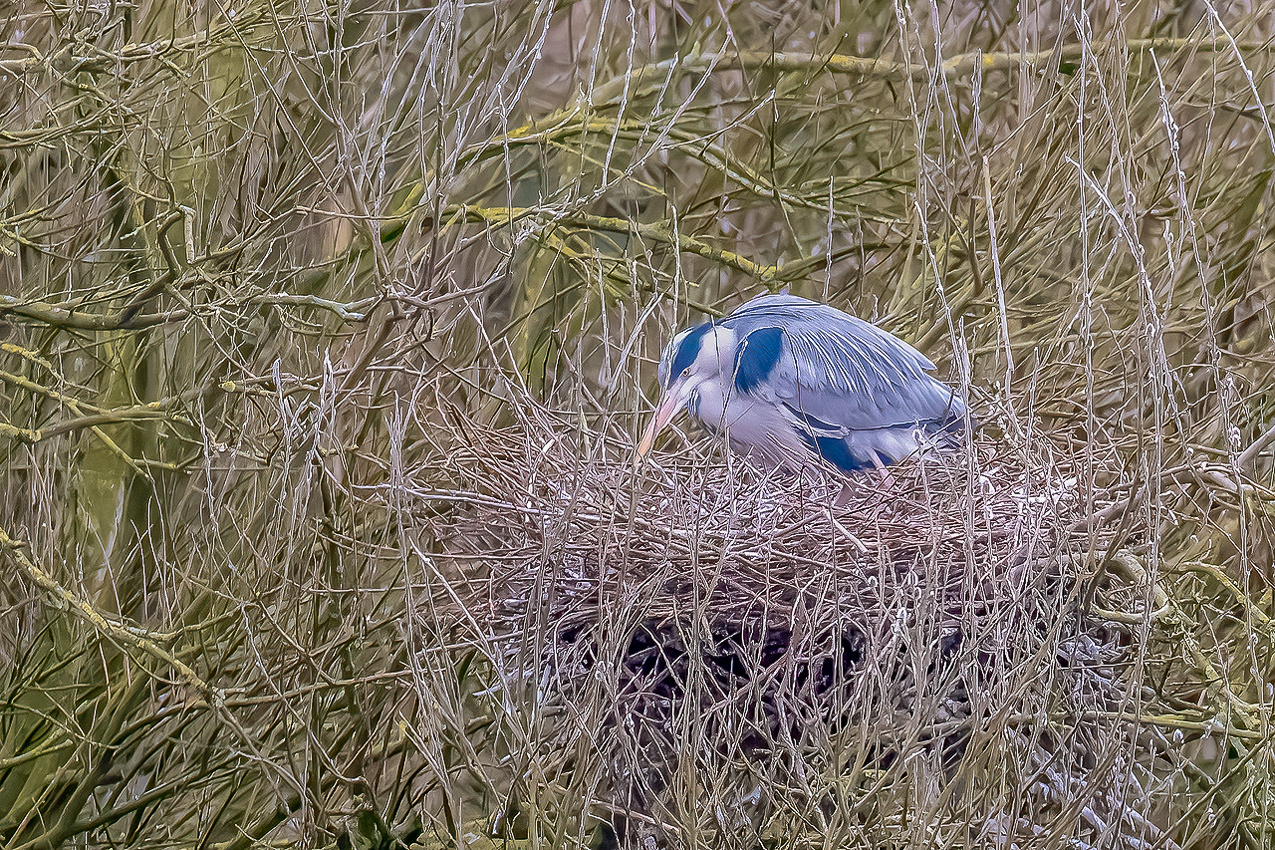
(258, 259)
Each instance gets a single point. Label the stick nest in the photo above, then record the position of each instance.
(706, 649)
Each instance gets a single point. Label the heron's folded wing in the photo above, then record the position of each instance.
(834, 371)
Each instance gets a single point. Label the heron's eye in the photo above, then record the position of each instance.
(686, 371)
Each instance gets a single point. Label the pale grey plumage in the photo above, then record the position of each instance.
(792, 381)
(843, 370)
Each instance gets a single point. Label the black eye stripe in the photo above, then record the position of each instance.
(689, 348)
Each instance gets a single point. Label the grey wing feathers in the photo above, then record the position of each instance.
(839, 370)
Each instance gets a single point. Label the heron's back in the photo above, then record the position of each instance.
(850, 393)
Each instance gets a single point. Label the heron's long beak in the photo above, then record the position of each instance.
(672, 400)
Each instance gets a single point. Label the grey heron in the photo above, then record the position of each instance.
(795, 384)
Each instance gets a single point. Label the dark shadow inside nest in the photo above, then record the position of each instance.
(762, 696)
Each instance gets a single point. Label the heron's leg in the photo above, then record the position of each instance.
(882, 470)
(843, 497)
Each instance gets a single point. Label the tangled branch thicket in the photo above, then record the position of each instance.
(326, 329)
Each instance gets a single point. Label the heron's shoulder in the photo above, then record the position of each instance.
(824, 335)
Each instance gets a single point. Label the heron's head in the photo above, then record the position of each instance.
(695, 357)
